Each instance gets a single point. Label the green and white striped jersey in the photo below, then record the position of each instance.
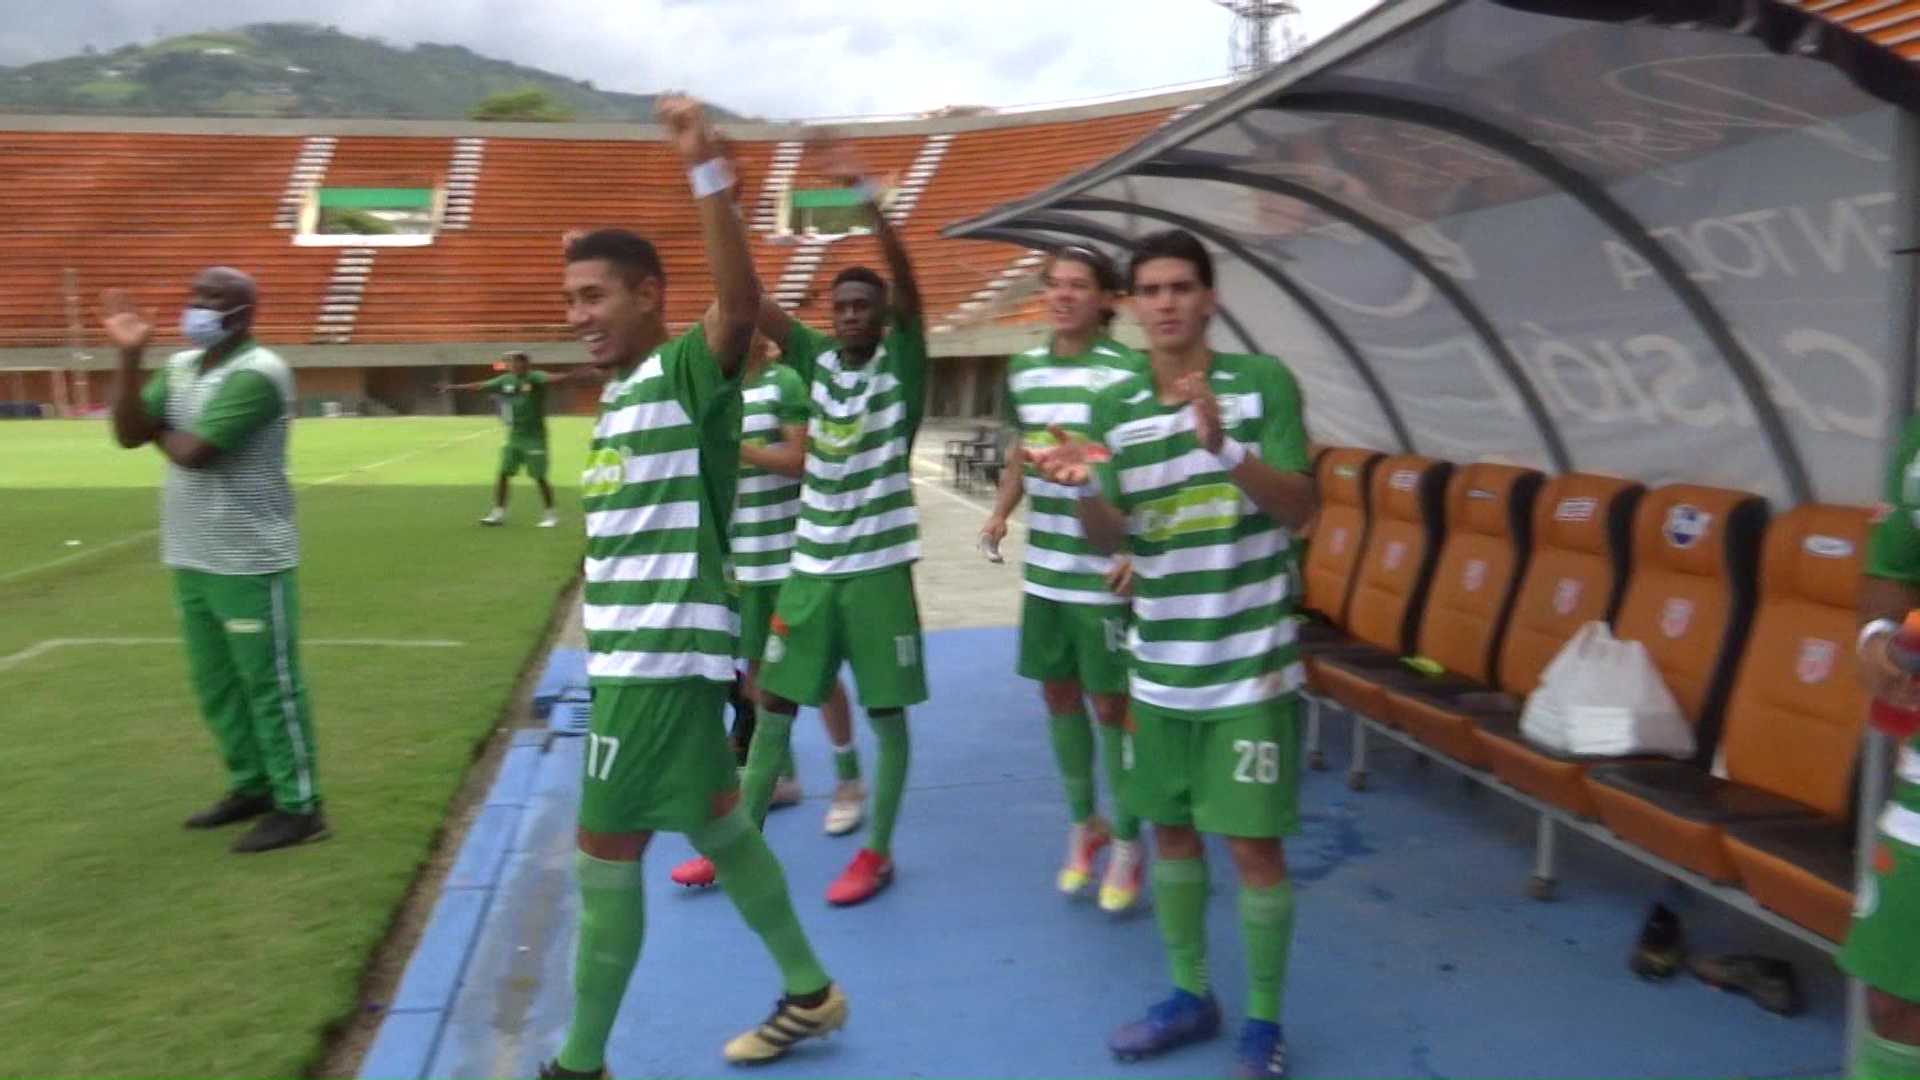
(658, 493)
(236, 515)
(857, 512)
(1212, 633)
(768, 504)
(1045, 389)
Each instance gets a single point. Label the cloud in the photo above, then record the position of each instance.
(775, 58)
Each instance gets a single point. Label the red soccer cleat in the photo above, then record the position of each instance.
(869, 872)
(695, 873)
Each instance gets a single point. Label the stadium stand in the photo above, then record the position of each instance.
(145, 210)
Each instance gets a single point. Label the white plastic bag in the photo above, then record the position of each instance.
(1544, 720)
(1602, 697)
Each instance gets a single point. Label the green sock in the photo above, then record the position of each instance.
(1073, 751)
(846, 762)
(772, 737)
(1112, 739)
(1266, 928)
(1180, 907)
(613, 918)
(751, 877)
(891, 783)
(1876, 1058)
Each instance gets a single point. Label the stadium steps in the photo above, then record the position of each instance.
(309, 171)
(794, 283)
(919, 175)
(779, 181)
(340, 309)
(463, 177)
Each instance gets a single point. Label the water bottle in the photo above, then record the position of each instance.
(1904, 652)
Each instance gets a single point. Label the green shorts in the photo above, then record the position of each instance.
(1083, 642)
(1234, 777)
(657, 758)
(529, 452)
(755, 601)
(1883, 947)
(871, 621)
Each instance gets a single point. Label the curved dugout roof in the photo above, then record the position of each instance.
(1643, 237)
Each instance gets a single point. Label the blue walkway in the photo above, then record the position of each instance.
(1417, 952)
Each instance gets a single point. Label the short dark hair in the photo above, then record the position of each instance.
(862, 275)
(1105, 274)
(626, 251)
(520, 356)
(1172, 244)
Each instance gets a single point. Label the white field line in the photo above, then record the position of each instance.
(39, 649)
(143, 534)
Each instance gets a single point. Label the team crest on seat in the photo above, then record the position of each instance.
(1686, 525)
(1566, 595)
(1474, 576)
(1396, 553)
(1816, 660)
(1338, 541)
(1676, 616)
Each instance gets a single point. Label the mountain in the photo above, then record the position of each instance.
(293, 69)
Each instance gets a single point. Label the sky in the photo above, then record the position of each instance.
(771, 58)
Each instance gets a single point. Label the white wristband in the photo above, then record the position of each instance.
(710, 177)
(1874, 629)
(1230, 454)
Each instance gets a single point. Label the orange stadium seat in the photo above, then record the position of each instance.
(1689, 598)
(1575, 563)
(1404, 499)
(1789, 740)
(1339, 535)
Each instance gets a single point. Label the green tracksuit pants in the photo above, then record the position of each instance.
(242, 635)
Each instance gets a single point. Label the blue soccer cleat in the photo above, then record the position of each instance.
(1262, 1053)
(1181, 1019)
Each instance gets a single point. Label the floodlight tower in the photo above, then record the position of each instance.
(1264, 33)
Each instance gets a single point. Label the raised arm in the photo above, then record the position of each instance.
(736, 288)
(906, 291)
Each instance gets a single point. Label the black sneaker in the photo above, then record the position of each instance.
(1771, 983)
(551, 1070)
(1659, 952)
(234, 806)
(281, 829)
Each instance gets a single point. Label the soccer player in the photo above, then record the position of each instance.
(772, 456)
(1073, 618)
(658, 493)
(220, 414)
(526, 394)
(850, 598)
(1200, 468)
(1884, 941)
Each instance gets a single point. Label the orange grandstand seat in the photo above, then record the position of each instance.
(1788, 742)
(1405, 509)
(1488, 517)
(1339, 532)
(1576, 562)
(1689, 598)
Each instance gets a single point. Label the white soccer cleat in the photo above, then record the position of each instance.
(494, 517)
(786, 791)
(848, 808)
(549, 521)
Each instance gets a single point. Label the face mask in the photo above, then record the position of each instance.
(202, 325)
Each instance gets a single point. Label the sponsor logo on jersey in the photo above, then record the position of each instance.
(1201, 508)
(606, 471)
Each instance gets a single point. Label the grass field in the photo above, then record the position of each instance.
(136, 948)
